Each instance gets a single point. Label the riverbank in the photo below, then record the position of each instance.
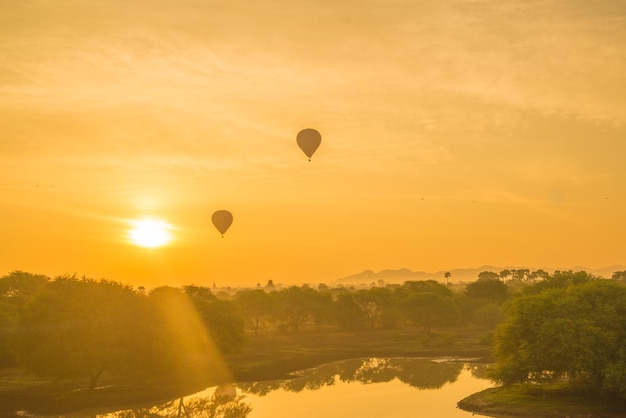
(541, 402)
(266, 356)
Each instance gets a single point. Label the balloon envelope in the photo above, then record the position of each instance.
(309, 140)
(222, 219)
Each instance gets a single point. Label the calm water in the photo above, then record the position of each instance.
(375, 387)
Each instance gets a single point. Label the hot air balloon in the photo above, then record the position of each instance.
(309, 140)
(222, 219)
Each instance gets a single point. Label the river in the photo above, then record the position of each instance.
(371, 387)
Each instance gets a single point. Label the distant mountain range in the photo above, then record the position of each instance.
(456, 275)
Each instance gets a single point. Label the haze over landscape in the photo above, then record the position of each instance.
(455, 134)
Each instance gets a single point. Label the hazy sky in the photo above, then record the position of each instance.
(455, 133)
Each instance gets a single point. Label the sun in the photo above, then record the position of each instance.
(150, 233)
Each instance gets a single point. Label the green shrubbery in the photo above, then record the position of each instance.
(570, 327)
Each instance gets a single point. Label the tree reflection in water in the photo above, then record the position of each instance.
(418, 373)
(478, 370)
(223, 404)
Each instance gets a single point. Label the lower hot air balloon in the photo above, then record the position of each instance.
(309, 140)
(222, 219)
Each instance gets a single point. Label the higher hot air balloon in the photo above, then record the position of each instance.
(309, 140)
(222, 219)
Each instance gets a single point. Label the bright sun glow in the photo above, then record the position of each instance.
(150, 233)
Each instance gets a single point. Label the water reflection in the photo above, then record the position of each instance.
(371, 387)
(421, 374)
(224, 403)
(478, 370)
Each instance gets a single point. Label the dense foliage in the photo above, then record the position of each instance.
(70, 327)
(220, 318)
(16, 290)
(76, 327)
(570, 327)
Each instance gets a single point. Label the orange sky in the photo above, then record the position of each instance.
(454, 134)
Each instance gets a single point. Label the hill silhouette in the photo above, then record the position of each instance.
(456, 275)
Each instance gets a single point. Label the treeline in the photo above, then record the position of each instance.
(70, 327)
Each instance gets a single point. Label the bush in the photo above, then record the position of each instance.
(574, 332)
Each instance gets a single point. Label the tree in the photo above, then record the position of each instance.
(377, 305)
(16, 290)
(619, 275)
(447, 276)
(484, 299)
(520, 275)
(487, 288)
(488, 275)
(323, 287)
(80, 327)
(487, 314)
(220, 317)
(21, 285)
(256, 305)
(8, 321)
(372, 310)
(189, 343)
(559, 280)
(420, 286)
(301, 304)
(348, 313)
(429, 309)
(575, 332)
(504, 274)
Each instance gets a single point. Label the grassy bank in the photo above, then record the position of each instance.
(269, 355)
(541, 401)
